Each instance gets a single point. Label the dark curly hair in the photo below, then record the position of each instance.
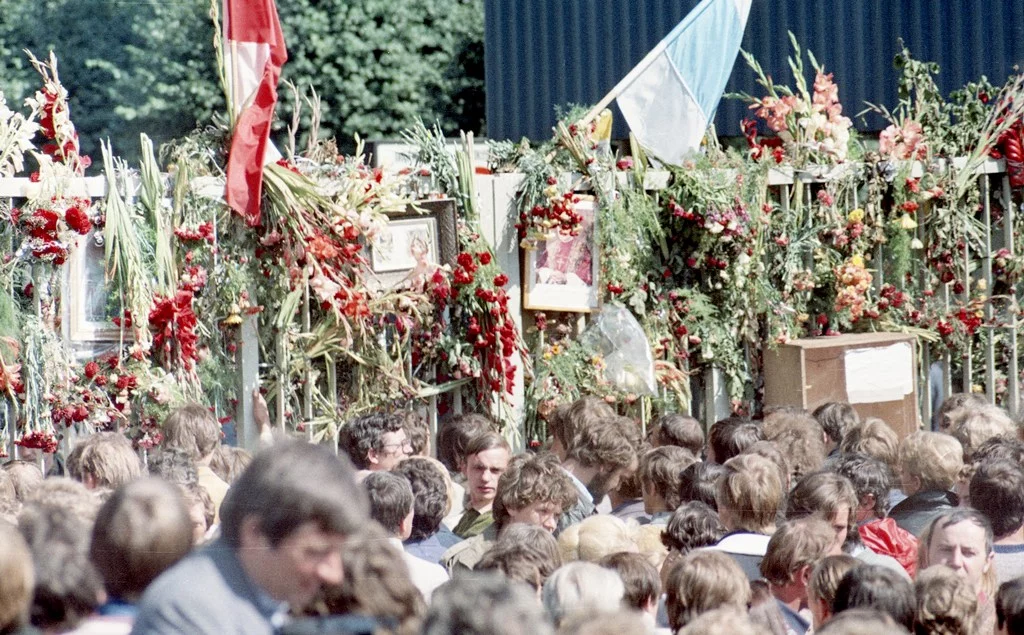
(364, 433)
(691, 526)
(430, 495)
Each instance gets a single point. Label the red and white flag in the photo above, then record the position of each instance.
(254, 54)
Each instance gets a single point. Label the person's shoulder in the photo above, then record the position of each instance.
(465, 554)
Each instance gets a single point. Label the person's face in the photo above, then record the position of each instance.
(961, 547)
(394, 447)
(483, 470)
(841, 526)
(541, 513)
(197, 515)
(294, 571)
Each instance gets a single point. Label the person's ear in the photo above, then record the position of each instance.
(250, 534)
(803, 575)
(988, 562)
(372, 457)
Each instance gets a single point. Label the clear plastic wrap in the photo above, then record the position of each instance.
(617, 336)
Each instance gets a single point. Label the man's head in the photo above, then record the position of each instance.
(524, 553)
(485, 603)
(533, 490)
(930, 461)
(418, 432)
(567, 420)
(997, 491)
(140, 531)
(828, 496)
(487, 456)
(749, 494)
(375, 441)
(835, 419)
(871, 479)
(821, 588)
(699, 482)
(390, 498)
(1010, 607)
(703, 581)
(692, 525)
(678, 430)
(430, 495)
(873, 437)
(25, 477)
(608, 446)
(661, 472)
(456, 434)
(961, 540)
(643, 585)
(731, 436)
(581, 587)
(194, 429)
(16, 579)
(287, 516)
(793, 551)
(871, 586)
(104, 460)
(946, 603)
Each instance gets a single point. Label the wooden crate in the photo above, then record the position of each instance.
(882, 381)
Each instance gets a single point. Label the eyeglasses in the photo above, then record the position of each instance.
(401, 445)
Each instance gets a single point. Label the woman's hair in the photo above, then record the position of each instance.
(229, 461)
(873, 437)
(703, 581)
(835, 419)
(581, 587)
(376, 584)
(935, 458)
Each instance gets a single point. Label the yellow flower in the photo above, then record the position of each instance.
(906, 222)
(802, 317)
(981, 285)
(556, 349)
(857, 261)
(856, 216)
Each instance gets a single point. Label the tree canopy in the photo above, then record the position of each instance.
(149, 66)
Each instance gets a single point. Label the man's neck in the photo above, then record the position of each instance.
(481, 507)
(792, 595)
(1014, 538)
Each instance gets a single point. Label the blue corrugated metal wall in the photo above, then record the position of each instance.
(542, 53)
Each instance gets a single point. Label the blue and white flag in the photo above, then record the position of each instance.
(670, 98)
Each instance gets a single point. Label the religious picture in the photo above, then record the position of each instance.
(90, 306)
(404, 243)
(562, 270)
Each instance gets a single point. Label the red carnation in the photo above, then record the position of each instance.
(78, 220)
(485, 257)
(91, 369)
(500, 280)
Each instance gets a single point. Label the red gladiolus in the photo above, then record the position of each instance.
(500, 280)
(909, 206)
(91, 369)
(484, 257)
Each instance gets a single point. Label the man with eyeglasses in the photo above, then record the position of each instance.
(375, 442)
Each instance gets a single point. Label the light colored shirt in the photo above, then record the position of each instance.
(426, 576)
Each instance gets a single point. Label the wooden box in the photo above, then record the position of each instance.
(875, 372)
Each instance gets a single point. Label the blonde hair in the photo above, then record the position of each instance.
(727, 619)
(981, 424)
(596, 537)
(582, 587)
(946, 604)
(873, 437)
(751, 491)
(649, 542)
(108, 457)
(703, 581)
(17, 578)
(935, 458)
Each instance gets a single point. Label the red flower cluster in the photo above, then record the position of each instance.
(173, 322)
(68, 151)
(560, 215)
(760, 149)
(44, 441)
(44, 227)
(193, 279)
(204, 231)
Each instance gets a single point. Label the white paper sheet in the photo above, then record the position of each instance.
(879, 374)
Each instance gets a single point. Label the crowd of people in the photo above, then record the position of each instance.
(796, 523)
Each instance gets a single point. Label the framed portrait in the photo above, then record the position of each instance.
(425, 231)
(562, 271)
(88, 302)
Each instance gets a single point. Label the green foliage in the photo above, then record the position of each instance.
(149, 66)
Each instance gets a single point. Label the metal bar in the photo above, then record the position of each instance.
(307, 375)
(947, 357)
(986, 272)
(926, 373)
(968, 365)
(1012, 403)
